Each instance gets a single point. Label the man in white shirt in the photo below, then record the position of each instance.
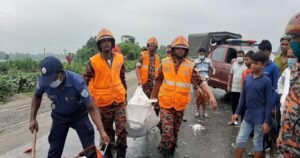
(234, 83)
(284, 80)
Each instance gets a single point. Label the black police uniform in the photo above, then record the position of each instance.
(68, 110)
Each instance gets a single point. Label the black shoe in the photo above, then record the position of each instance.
(166, 153)
(184, 119)
(173, 150)
(121, 151)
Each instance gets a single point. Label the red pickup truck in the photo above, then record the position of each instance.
(221, 48)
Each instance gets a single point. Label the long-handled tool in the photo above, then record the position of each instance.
(32, 148)
(33, 144)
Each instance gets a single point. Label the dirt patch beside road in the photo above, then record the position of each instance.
(15, 115)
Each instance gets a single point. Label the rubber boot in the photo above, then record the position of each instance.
(108, 153)
(166, 153)
(173, 150)
(259, 154)
(239, 152)
(121, 150)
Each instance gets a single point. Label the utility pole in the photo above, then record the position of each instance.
(44, 52)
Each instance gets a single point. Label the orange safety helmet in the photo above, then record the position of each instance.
(180, 42)
(293, 26)
(152, 41)
(105, 34)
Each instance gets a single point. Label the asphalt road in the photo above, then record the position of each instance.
(212, 142)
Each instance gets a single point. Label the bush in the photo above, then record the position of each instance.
(4, 66)
(130, 65)
(25, 64)
(75, 66)
(15, 82)
(22, 64)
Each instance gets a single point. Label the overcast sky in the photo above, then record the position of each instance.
(31, 25)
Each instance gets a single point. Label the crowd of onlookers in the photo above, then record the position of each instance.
(265, 94)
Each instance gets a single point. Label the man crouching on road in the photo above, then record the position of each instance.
(71, 103)
(105, 75)
(173, 90)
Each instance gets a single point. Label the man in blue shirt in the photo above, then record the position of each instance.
(256, 99)
(71, 103)
(272, 71)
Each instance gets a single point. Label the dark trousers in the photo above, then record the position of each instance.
(59, 131)
(235, 98)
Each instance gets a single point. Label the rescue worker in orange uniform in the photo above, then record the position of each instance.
(288, 139)
(172, 88)
(168, 51)
(147, 67)
(105, 76)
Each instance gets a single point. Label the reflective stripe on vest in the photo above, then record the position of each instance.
(177, 84)
(175, 89)
(106, 86)
(145, 66)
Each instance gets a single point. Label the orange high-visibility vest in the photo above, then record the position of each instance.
(145, 66)
(175, 89)
(106, 86)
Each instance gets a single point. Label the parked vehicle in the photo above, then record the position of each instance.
(221, 48)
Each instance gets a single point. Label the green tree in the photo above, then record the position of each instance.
(130, 50)
(162, 51)
(128, 39)
(89, 49)
(6, 57)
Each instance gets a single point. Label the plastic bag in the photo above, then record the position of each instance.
(197, 128)
(140, 115)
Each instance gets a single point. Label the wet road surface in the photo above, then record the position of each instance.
(212, 142)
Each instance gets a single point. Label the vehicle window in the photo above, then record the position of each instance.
(218, 54)
(231, 54)
(246, 49)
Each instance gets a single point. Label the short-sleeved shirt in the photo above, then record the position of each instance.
(71, 97)
(236, 71)
(203, 67)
